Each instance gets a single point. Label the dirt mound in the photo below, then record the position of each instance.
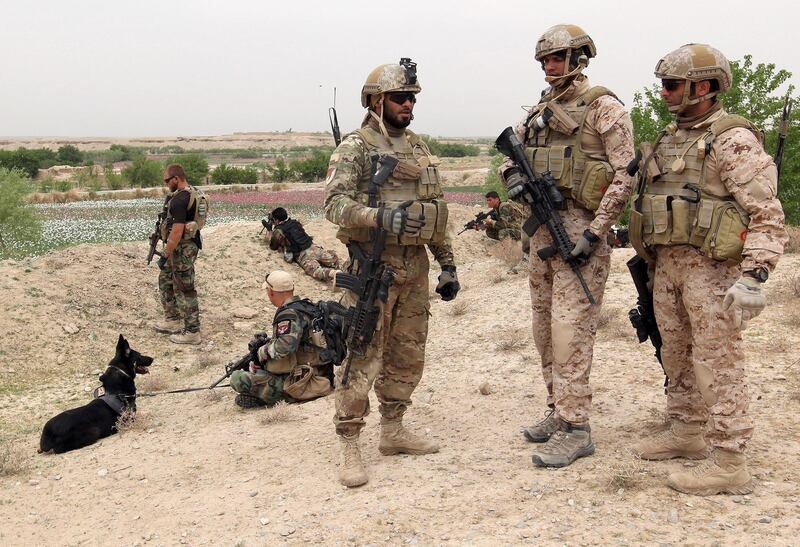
(193, 469)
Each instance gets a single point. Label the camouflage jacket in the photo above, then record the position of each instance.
(290, 331)
(342, 205)
(509, 217)
(609, 129)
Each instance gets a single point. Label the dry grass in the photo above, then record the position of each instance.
(12, 459)
(626, 471)
(793, 246)
(281, 412)
(205, 360)
(73, 195)
(151, 383)
(513, 340)
(508, 251)
(279, 186)
(784, 290)
(459, 308)
(133, 421)
(610, 318)
(496, 276)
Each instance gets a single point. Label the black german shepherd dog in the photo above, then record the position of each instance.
(83, 426)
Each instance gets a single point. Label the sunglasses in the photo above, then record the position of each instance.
(401, 97)
(166, 180)
(670, 85)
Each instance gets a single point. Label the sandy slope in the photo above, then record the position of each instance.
(196, 470)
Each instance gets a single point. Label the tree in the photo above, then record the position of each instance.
(280, 172)
(754, 94)
(225, 174)
(315, 167)
(143, 172)
(18, 221)
(195, 165)
(69, 155)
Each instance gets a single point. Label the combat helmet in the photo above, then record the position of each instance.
(571, 39)
(393, 77)
(695, 63)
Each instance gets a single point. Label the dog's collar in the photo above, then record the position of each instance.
(122, 371)
(118, 402)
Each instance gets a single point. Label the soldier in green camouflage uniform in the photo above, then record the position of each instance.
(395, 359)
(182, 242)
(289, 237)
(288, 366)
(508, 224)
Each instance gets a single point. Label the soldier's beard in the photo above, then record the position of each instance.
(395, 122)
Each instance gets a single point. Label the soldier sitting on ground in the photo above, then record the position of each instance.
(288, 367)
(289, 236)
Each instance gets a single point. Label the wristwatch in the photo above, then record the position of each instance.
(760, 274)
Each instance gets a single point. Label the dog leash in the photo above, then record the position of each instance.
(184, 390)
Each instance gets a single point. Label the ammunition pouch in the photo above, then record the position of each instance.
(306, 383)
(577, 176)
(190, 230)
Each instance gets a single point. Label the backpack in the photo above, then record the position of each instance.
(200, 214)
(327, 320)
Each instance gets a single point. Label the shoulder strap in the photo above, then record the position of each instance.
(595, 93)
(730, 121)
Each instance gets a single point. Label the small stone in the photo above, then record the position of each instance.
(102, 472)
(485, 389)
(97, 372)
(61, 359)
(254, 493)
(287, 531)
(571, 502)
(766, 519)
(672, 516)
(71, 328)
(264, 521)
(33, 482)
(151, 430)
(245, 313)
(241, 325)
(620, 491)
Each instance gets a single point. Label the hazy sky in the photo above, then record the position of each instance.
(204, 67)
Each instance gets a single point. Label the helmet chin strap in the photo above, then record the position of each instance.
(686, 102)
(569, 75)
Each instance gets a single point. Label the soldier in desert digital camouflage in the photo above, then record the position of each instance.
(411, 209)
(582, 135)
(707, 219)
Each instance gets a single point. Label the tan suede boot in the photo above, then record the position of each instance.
(186, 337)
(725, 472)
(169, 326)
(351, 472)
(396, 439)
(679, 441)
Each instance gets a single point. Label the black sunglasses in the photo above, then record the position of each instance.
(169, 179)
(670, 85)
(401, 97)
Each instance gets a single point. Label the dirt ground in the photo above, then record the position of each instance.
(195, 470)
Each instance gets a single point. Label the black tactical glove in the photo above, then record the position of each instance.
(448, 283)
(398, 221)
(162, 262)
(585, 246)
(515, 183)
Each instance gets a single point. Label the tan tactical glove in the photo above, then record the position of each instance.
(747, 300)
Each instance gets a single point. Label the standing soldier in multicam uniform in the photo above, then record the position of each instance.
(182, 241)
(508, 224)
(583, 136)
(289, 237)
(708, 220)
(288, 367)
(395, 358)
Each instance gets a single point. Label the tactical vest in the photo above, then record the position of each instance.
(306, 354)
(416, 178)
(299, 240)
(681, 202)
(191, 228)
(557, 148)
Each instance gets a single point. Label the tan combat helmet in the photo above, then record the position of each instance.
(387, 78)
(695, 62)
(574, 42)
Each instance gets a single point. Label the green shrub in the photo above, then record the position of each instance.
(312, 168)
(63, 185)
(493, 181)
(18, 221)
(195, 165)
(69, 155)
(114, 181)
(144, 173)
(225, 174)
(450, 150)
(280, 172)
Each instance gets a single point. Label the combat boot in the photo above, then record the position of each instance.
(352, 472)
(565, 446)
(541, 432)
(186, 337)
(169, 326)
(679, 441)
(522, 266)
(725, 472)
(248, 401)
(396, 439)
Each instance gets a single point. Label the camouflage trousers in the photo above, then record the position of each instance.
(396, 356)
(260, 384)
(564, 322)
(176, 286)
(318, 263)
(702, 349)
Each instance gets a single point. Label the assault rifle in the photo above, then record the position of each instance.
(543, 197)
(259, 339)
(267, 225)
(374, 278)
(337, 135)
(783, 130)
(643, 317)
(478, 221)
(156, 236)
